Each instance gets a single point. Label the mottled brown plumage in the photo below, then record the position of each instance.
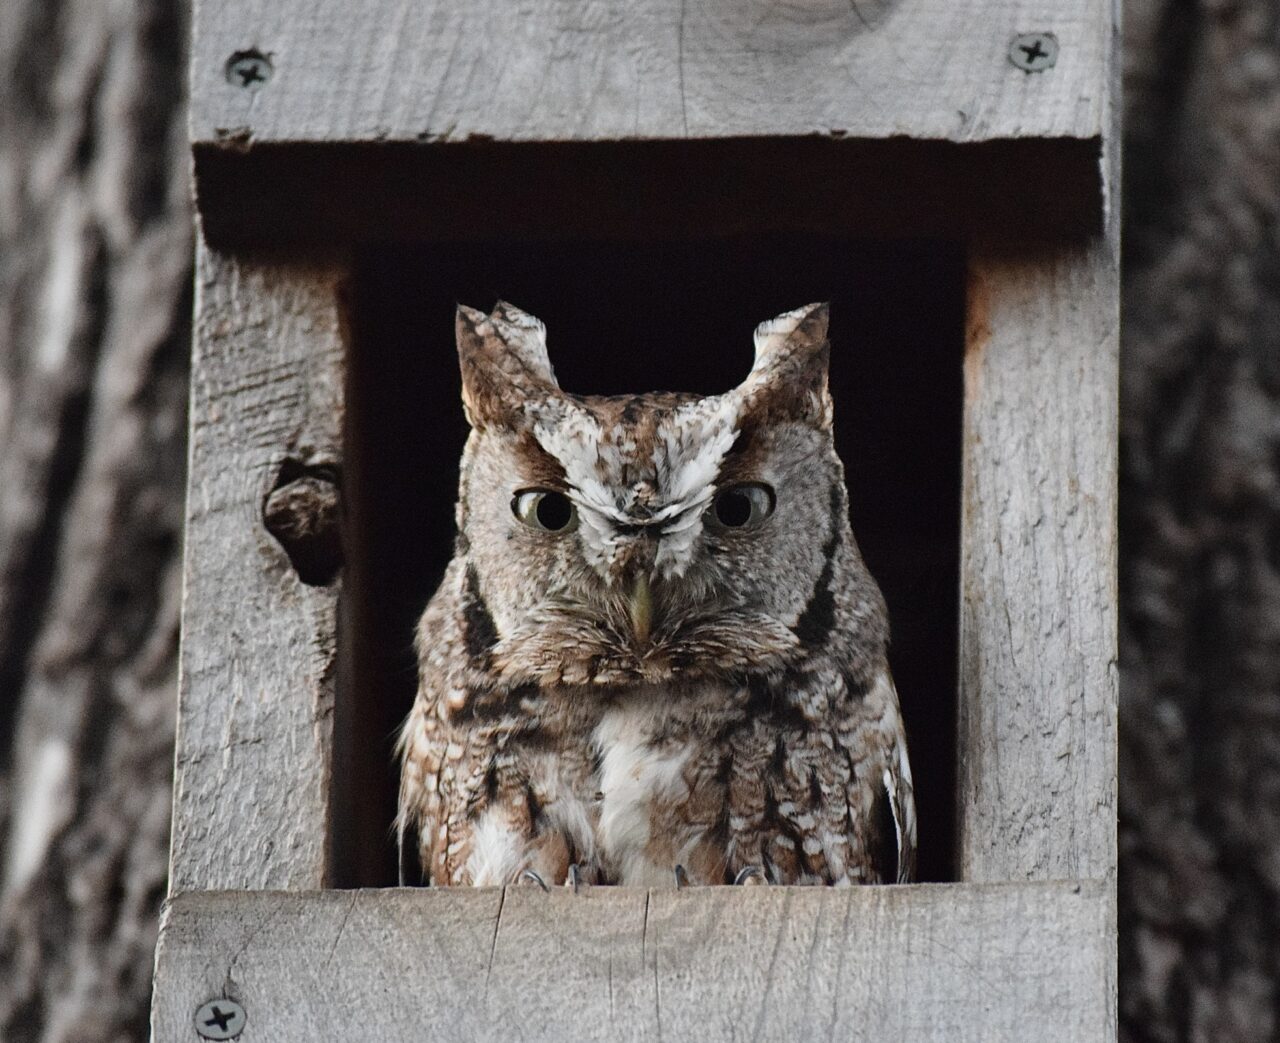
(657, 644)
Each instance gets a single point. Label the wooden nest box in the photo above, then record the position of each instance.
(647, 175)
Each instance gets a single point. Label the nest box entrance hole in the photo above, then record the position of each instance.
(632, 316)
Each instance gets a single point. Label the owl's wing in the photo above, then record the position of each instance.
(819, 786)
(472, 789)
(407, 861)
(414, 804)
(421, 741)
(900, 796)
(884, 789)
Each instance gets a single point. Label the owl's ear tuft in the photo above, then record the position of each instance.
(789, 378)
(504, 363)
(792, 331)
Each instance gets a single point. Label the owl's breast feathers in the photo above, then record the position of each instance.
(801, 770)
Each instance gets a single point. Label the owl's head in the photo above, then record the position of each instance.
(652, 537)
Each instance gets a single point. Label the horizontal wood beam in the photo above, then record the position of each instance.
(949, 962)
(627, 70)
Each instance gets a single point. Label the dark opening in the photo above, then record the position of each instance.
(626, 316)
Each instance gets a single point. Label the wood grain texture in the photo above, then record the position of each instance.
(606, 70)
(932, 962)
(1037, 718)
(1038, 640)
(258, 645)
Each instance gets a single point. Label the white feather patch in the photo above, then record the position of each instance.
(632, 774)
(687, 457)
(687, 454)
(497, 854)
(569, 815)
(574, 438)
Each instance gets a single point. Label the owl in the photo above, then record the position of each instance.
(656, 656)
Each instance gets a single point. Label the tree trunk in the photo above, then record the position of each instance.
(95, 248)
(1200, 524)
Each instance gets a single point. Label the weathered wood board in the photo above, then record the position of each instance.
(951, 963)
(1038, 682)
(259, 656)
(604, 70)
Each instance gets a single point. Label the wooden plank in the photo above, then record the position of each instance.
(1037, 718)
(256, 706)
(932, 962)
(608, 70)
(1038, 640)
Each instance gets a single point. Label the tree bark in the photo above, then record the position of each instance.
(95, 248)
(1200, 524)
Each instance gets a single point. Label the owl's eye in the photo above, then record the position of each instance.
(742, 506)
(545, 509)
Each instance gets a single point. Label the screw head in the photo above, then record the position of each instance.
(249, 69)
(1034, 52)
(220, 1019)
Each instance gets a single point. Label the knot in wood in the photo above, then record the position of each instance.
(305, 515)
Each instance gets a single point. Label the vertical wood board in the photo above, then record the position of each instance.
(932, 962)
(1038, 681)
(1038, 639)
(258, 657)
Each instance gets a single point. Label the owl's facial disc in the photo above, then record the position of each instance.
(655, 528)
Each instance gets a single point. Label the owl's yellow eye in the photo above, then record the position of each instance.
(545, 509)
(742, 506)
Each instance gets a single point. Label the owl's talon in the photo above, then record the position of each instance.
(533, 875)
(682, 878)
(747, 873)
(574, 879)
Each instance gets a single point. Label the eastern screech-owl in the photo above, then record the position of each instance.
(657, 645)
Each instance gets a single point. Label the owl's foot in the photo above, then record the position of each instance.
(574, 879)
(750, 876)
(682, 878)
(533, 877)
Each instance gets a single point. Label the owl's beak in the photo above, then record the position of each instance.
(640, 606)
